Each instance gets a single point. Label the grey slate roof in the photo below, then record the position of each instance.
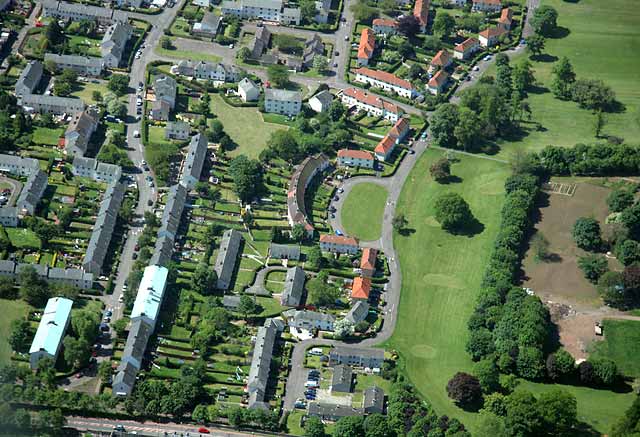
(79, 132)
(137, 340)
(247, 85)
(172, 213)
(81, 61)
(162, 251)
(282, 95)
(125, 379)
(293, 287)
(32, 191)
(373, 400)
(325, 97)
(332, 411)
(260, 366)
(231, 301)
(341, 378)
(115, 40)
(196, 154)
(282, 251)
(358, 312)
(312, 47)
(29, 77)
(226, 259)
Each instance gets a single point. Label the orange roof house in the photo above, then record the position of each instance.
(361, 288)
(385, 148)
(438, 81)
(354, 154)
(400, 129)
(506, 17)
(367, 46)
(383, 76)
(421, 12)
(442, 59)
(368, 261)
(466, 48)
(489, 37)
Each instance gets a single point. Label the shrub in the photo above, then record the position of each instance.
(619, 200)
(586, 233)
(593, 266)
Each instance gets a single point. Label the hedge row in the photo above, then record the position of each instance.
(589, 160)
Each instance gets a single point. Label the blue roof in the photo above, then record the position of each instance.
(52, 325)
(150, 292)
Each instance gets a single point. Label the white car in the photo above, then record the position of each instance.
(476, 68)
(136, 134)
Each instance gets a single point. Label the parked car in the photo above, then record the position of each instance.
(203, 430)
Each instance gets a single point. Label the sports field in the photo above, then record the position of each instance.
(361, 214)
(601, 40)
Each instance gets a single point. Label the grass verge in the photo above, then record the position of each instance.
(362, 211)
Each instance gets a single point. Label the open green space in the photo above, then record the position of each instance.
(601, 36)
(44, 135)
(362, 211)
(11, 310)
(84, 91)
(186, 54)
(621, 344)
(244, 126)
(23, 238)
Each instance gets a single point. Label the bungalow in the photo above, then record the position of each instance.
(208, 26)
(358, 312)
(293, 287)
(385, 148)
(51, 330)
(421, 12)
(177, 130)
(367, 46)
(385, 26)
(83, 65)
(368, 262)
(309, 320)
(226, 259)
(361, 288)
(356, 356)
(284, 251)
(231, 301)
(338, 244)
(373, 402)
(506, 19)
(79, 131)
(248, 90)
(486, 5)
(386, 81)
(281, 101)
(466, 48)
(491, 36)
(371, 104)
(438, 82)
(321, 101)
(342, 379)
(440, 61)
(355, 158)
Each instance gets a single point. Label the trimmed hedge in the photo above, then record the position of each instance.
(589, 160)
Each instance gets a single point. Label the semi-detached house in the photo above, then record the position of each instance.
(386, 81)
(280, 101)
(338, 244)
(466, 48)
(371, 104)
(355, 158)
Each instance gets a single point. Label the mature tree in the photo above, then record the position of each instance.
(247, 177)
(630, 217)
(535, 44)
(611, 289)
(452, 212)
(605, 370)
(468, 131)
(491, 425)
(432, 43)
(32, 289)
(278, 75)
(20, 335)
(76, 352)
(464, 389)
(530, 362)
(247, 305)
(540, 246)
(53, 33)
(320, 63)
(314, 258)
(440, 170)
(544, 20)
(586, 234)
(415, 71)
(166, 43)
(314, 427)
(336, 110)
(628, 252)
(523, 78)
(443, 123)
(105, 371)
(558, 410)
(363, 13)
(599, 122)
(8, 289)
(629, 424)
(408, 25)
(563, 78)
(593, 94)
(488, 374)
(298, 233)
(560, 365)
(244, 54)
(443, 24)
(307, 10)
(586, 373)
(405, 49)
(377, 425)
(631, 278)
(117, 108)
(349, 426)
(85, 325)
(343, 328)
(593, 266)
(480, 343)
(204, 279)
(619, 200)
(522, 415)
(119, 84)
(320, 292)
(284, 145)
(504, 80)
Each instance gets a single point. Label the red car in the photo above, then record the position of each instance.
(203, 430)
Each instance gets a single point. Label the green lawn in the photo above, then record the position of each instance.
(85, 91)
(81, 45)
(11, 310)
(186, 54)
(244, 126)
(23, 238)
(362, 211)
(156, 136)
(621, 344)
(44, 135)
(602, 36)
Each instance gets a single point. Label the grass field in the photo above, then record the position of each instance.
(601, 37)
(362, 211)
(621, 344)
(244, 126)
(23, 238)
(11, 310)
(43, 135)
(186, 54)
(441, 274)
(85, 91)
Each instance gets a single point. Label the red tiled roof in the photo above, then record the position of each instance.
(372, 100)
(492, 32)
(338, 239)
(361, 288)
(421, 11)
(367, 43)
(385, 22)
(383, 76)
(488, 2)
(368, 260)
(356, 154)
(466, 45)
(385, 145)
(438, 79)
(400, 128)
(506, 15)
(442, 58)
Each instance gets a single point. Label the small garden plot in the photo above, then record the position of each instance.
(23, 238)
(47, 136)
(83, 45)
(275, 281)
(621, 344)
